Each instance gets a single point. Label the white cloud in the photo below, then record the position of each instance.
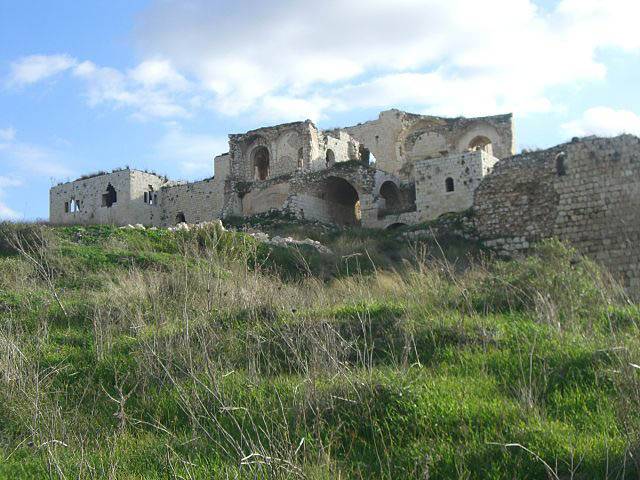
(28, 159)
(281, 60)
(158, 73)
(193, 152)
(282, 56)
(35, 68)
(604, 121)
(134, 91)
(152, 89)
(7, 134)
(7, 213)
(607, 22)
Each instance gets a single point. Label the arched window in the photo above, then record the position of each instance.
(448, 184)
(180, 218)
(481, 143)
(330, 158)
(260, 162)
(110, 197)
(561, 167)
(300, 157)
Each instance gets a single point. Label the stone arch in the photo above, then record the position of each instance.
(477, 133)
(396, 225)
(390, 192)
(330, 158)
(481, 143)
(260, 161)
(343, 201)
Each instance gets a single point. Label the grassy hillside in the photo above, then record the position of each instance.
(207, 354)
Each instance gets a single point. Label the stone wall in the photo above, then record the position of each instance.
(201, 201)
(343, 194)
(398, 139)
(192, 202)
(291, 147)
(144, 209)
(343, 147)
(81, 201)
(288, 146)
(460, 173)
(264, 198)
(586, 192)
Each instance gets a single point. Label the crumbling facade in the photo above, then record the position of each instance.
(586, 192)
(399, 169)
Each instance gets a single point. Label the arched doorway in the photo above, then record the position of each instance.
(390, 192)
(343, 201)
(260, 162)
(481, 143)
(180, 218)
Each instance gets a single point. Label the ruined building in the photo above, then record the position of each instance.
(399, 169)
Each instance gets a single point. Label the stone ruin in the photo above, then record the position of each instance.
(399, 169)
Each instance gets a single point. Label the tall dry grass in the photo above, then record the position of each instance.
(255, 366)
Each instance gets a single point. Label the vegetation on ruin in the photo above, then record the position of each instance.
(205, 354)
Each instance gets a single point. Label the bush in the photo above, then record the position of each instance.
(553, 279)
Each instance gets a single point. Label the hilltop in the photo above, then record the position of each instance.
(204, 352)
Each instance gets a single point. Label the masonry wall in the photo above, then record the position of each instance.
(313, 195)
(464, 170)
(196, 201)
(595, 205)
(265, 198)
(289, 147)
(342, 145)
(129, 207)
(200, 201)
(398, 139)
(140, 211)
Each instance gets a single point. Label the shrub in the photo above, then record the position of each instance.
(553, 278)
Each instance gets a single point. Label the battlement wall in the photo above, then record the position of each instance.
(585, 192)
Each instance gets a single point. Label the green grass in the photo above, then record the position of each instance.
(205, 354)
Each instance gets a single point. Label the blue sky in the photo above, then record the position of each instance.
(158, 84)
